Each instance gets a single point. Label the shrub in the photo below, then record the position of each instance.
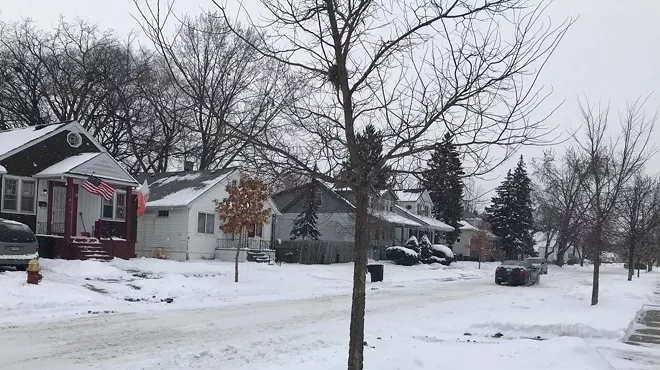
(402, 256)
(443, 254)
(412, 244)
(425, 250)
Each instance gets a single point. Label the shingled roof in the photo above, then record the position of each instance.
(179, 189)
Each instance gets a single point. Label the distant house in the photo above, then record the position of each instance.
(181, 217)
(391, 224)
(462, 245)
(47, 171)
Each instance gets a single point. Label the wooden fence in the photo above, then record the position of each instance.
(309, 252)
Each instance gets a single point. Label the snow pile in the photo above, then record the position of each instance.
(404, 250)
(444, 249)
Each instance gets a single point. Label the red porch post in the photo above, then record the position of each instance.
(128, 216)
(69, 209)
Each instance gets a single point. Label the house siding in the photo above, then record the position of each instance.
(332, 226)
(169, 233)
(463, 247)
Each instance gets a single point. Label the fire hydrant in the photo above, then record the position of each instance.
(33, 275)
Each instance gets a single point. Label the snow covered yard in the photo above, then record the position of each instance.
(71, 288)
(296, 317)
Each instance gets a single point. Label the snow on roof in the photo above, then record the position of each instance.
(407, 196)
(176, 189)
(430, 221)
(16, 138)
(466, 226)
(67, 164)
(393, 218)
(3, 170)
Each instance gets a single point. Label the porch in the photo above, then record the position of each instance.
(74, 223)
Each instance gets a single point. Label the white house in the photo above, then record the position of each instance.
(181, 217)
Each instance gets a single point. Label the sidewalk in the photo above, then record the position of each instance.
(646, 327)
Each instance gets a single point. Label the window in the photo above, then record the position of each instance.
(10, 195)
(163, 213)
(115, 208)
(18, 195)
(419, 209)
(205, 223)
(426, 211)
(255, 231)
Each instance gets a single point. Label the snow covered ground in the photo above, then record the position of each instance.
(296, 317)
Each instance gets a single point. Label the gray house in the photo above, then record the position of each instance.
(391, 224)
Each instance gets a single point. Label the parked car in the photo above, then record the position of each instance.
(18, 244)
(517, 273)
(540, 263)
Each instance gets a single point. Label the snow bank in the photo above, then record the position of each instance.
(444, 249)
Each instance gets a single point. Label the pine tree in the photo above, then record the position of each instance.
(523, 209)
(510, 214)
(498, 214)
(443, 180)
(372, 172)
(305, 224)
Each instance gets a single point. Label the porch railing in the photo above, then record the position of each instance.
(56, 228)
(259, 244)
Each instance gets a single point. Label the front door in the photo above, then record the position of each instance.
(58, 209)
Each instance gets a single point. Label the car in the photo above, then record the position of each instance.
(18, 244)
(517, 273)
(539, 262)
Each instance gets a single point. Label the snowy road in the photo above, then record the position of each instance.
(91, 341)
(408, 326)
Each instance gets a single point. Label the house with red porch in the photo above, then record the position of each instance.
(65, 186)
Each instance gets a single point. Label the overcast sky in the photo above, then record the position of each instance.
(612, 52)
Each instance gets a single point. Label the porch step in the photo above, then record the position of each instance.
(257, 256)
(87, 252)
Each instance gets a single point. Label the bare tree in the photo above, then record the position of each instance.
(561, 200)
(639, 212)
(416, 70)
(611, 164)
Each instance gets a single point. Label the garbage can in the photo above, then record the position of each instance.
(376, 271)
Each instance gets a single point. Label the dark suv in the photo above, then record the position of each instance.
(18, 245)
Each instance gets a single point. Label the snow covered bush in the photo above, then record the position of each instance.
(412, 244)
(442, 254)
(425, 250)
(402, 256)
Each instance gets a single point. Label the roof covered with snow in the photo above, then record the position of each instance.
(178, 189)
(466, 226)
(17, 138)
(393, 218)
(67, 164)
(408, 195)
(428, 221)
(2, 170)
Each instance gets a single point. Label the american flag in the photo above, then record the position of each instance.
(98, 187)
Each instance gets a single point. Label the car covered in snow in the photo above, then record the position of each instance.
(18, 244)
(517, 273)
(539, 262)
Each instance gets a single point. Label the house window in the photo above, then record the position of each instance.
(115, 208)
(419, 209)
(255, 231)
(18, 195)
(163, 213)
(205, 223)
(426, 211)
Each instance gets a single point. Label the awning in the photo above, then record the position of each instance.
(393, 218)
(81, 166)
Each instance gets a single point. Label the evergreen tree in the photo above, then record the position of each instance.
(305, 224)
(425, 250)
(372, 172)
(523, 209)
(413, 244)
(510, 214)
(443, 180)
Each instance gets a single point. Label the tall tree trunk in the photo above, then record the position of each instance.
(631, 261)
(596, 250)
(356, 342)
(583, 256)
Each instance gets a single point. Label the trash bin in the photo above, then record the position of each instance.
(376, 271)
